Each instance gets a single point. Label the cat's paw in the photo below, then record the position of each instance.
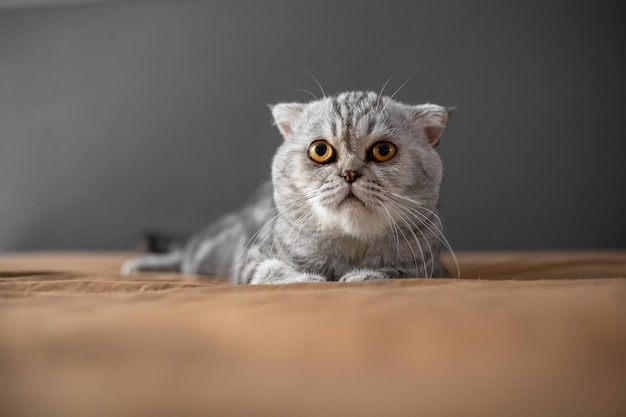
(304, 278)
(359, 275)
(287, 279)
(165, 262)
(275, 271)
(130, 267)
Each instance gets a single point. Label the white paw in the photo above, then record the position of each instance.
(287, 279)
(362, 275)
(130, 267)
(275, 271)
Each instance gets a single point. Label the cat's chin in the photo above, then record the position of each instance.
(351, 202)
(351, 218)
(359, 227)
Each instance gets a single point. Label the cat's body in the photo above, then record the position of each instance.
(354, 194)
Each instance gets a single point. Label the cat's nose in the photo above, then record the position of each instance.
(350, 176)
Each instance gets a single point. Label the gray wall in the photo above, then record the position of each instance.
(125, 116)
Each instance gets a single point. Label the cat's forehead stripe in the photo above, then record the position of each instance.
(349, 110)
(333, 127)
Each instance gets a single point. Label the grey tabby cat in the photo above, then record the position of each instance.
(354, 194)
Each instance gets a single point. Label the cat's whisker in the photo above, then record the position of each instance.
(394, 229)
(404, 218)
(295, 222)
(442, 238)
(317, 230)
(304, 90)
(293, 217)
(399, 215)
(279, 232)
(267, 224)
(303, 223)
(381, 91)
(419, 229)
(435, 230)
(252, 241)
(315, 79)
(392, 96)
(256, 235)
(273, 234)
(410, 211)
(418, 205)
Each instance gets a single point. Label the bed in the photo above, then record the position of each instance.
(518, 334)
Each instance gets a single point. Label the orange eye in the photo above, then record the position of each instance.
(383, 151)
(321, 152)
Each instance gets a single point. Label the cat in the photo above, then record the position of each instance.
(353, 197)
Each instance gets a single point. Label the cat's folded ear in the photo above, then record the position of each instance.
(286, 115)
(432, 120)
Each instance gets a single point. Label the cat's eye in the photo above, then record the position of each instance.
(321, 152)
(383, 151)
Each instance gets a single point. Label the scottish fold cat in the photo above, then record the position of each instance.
(353, 197)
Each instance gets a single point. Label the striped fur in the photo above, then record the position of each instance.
(311, 223)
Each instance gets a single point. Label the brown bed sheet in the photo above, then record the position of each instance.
(520, 334)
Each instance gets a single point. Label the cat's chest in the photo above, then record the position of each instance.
(337, 257)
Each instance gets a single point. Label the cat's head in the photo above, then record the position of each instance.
(355, 163)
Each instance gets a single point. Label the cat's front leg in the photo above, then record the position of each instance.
(276, 271)
(367, 274)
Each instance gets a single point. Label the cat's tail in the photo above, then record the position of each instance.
(163, 262)
(159, 242)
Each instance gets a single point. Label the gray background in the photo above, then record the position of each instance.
(118, 117)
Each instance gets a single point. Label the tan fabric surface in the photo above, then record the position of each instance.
(545, 339)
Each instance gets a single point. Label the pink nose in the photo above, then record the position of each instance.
(350, 176)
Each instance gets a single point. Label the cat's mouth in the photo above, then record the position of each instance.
(351, 199)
